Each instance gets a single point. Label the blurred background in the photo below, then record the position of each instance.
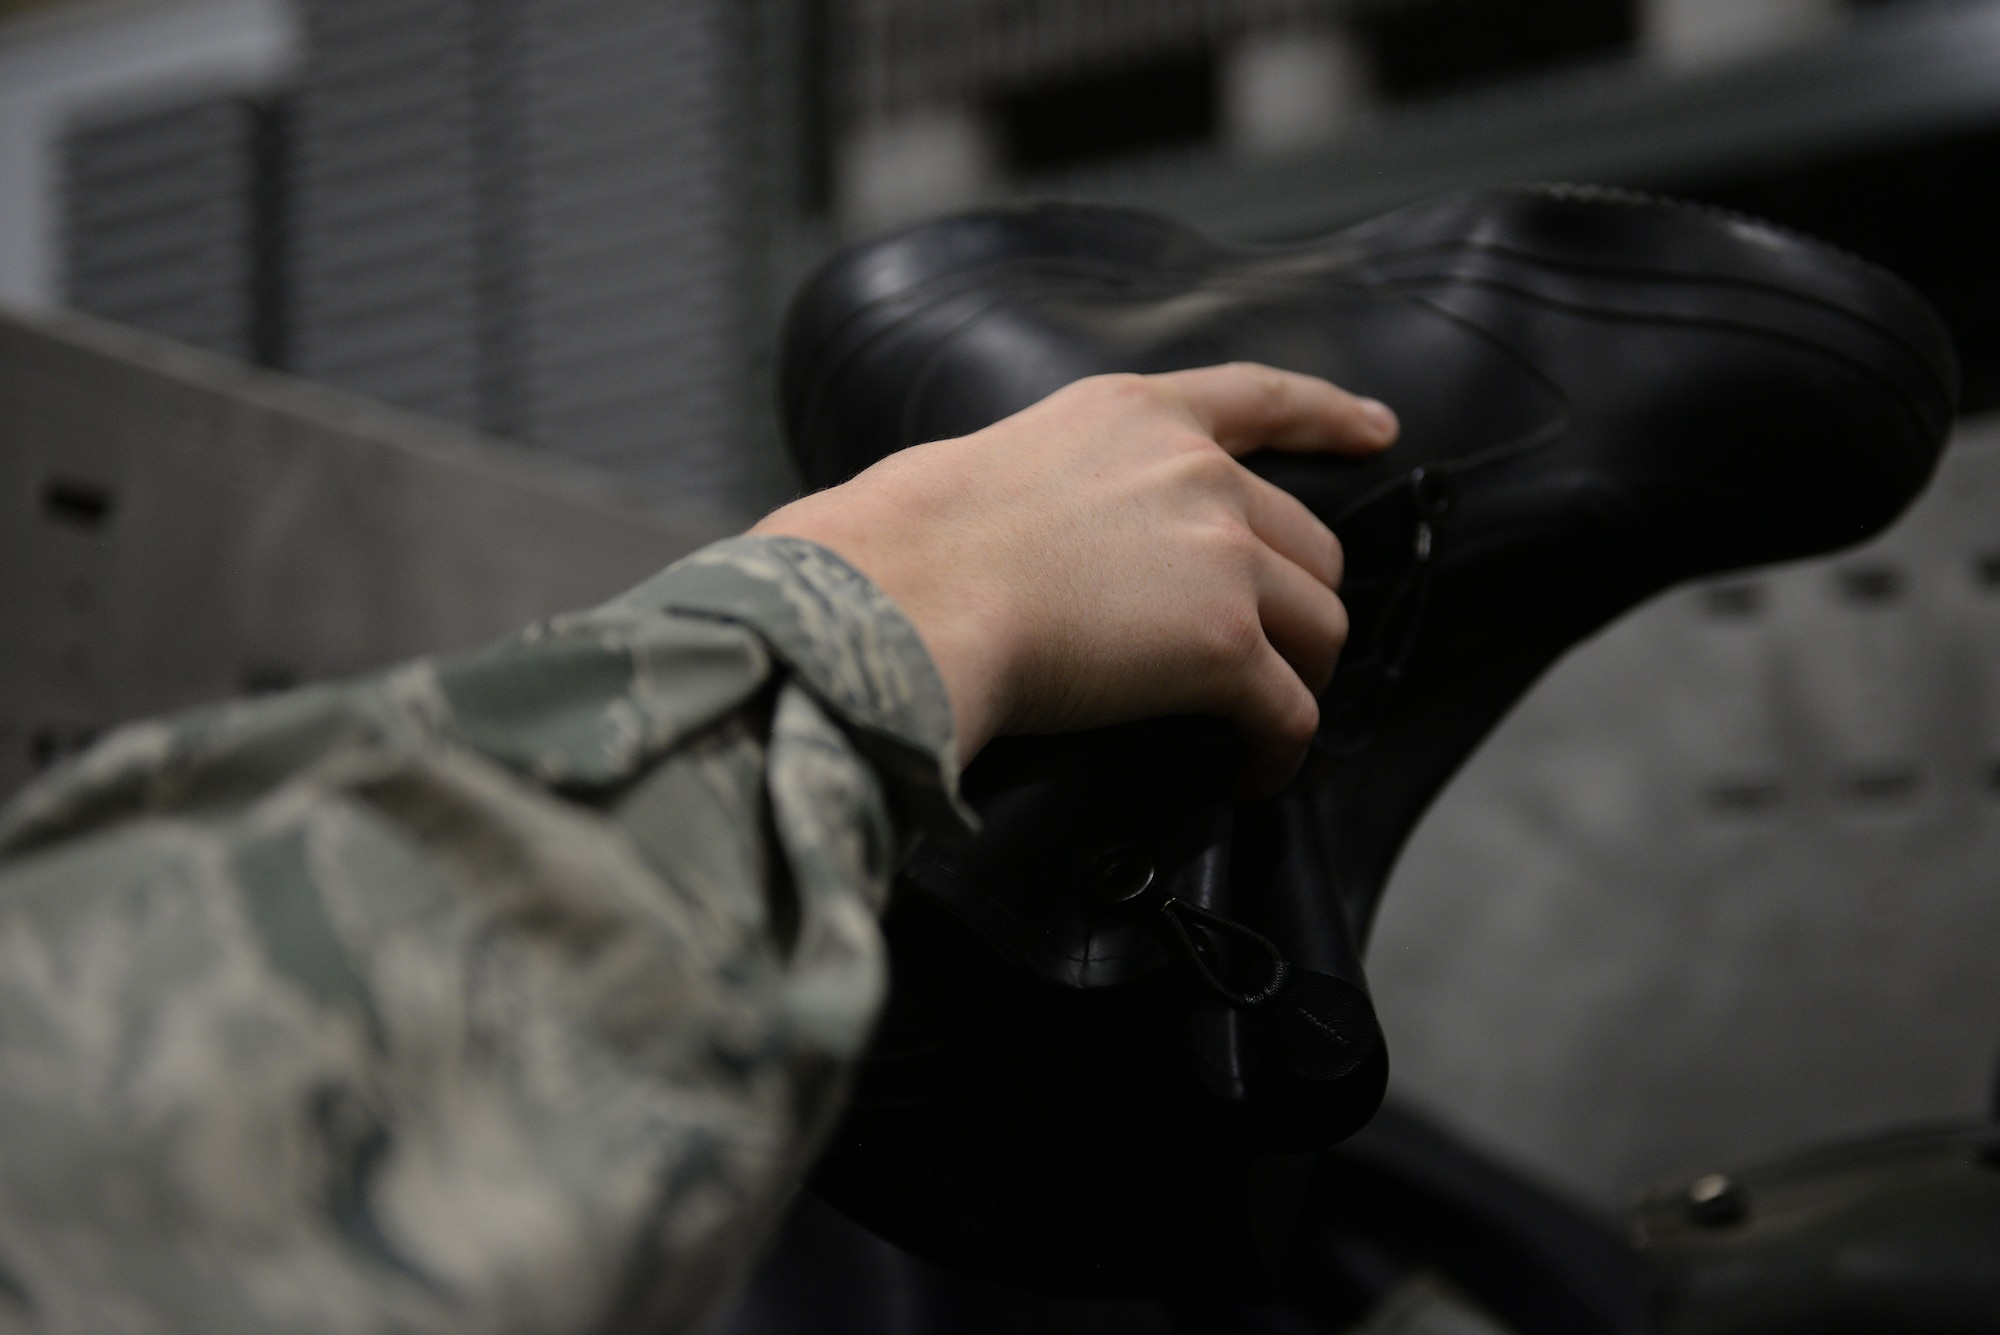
(574, 223)
(1728, 882)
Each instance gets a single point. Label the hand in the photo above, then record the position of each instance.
(1102, 557)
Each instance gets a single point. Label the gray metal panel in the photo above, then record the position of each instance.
(176, 528)
(160, 222)
(636, 246)
(1729, 880)
(533, 215)
(384, 272)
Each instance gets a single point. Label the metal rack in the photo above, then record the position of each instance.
(1887, 76)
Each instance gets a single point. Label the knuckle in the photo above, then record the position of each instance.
(1337, 625)
(1270, 385)
(1208, 465)
(1265, 382)
(1306, 724)
(1232, 545)
(1121, 387)
(1298, 719)
(1217, 469)
(1236, 636)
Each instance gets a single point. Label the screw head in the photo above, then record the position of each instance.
(1120, 875)
(1714, 1200)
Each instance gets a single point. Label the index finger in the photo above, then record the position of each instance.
(1246, 407)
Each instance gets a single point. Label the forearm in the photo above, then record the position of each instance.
(505, 993)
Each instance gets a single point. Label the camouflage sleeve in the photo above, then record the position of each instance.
(503, 993)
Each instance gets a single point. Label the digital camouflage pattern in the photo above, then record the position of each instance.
(504, 993)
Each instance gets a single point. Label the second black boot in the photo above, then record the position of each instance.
(1118, 1016)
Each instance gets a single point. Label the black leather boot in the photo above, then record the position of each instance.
(1119, 1012)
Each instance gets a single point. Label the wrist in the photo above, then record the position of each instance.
(961, 618)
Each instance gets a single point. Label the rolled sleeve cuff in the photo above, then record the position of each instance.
(848, 644)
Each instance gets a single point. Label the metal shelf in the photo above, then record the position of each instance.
(1889, 76)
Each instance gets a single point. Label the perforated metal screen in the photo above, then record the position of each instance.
(162, 221)
(530, 215)
(634, 266)
(382, 259)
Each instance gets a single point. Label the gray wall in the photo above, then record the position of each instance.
(1728, 881)
(176, 527)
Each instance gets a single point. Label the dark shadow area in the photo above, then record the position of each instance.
(1165, 102)
(1926, 211)
(1401, 1200)
(1432, 46)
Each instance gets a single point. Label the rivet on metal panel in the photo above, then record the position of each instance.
(77, 503)
(1733, 600)
(1870, 585)
(1888, 784)
(1744, 796)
